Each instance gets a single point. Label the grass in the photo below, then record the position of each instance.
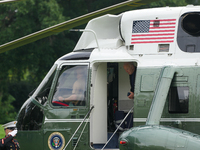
(2, 133)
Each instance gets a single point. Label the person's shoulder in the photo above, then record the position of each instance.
(8, 137)
(16, 142)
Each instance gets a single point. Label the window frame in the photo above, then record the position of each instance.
(59, 69)
(179, 105)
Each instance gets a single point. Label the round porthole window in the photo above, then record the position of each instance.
(191, 24)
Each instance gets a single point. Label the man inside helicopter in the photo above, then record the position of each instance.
(131, 70)
(78, 89)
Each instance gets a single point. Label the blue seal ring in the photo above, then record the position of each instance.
(56, 141)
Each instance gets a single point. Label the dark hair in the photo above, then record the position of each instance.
(10, 128)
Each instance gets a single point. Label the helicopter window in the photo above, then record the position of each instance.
(188, 34)
(178, 99)
(71, 86)
(190, 24)
(30, 117)
(44, 92)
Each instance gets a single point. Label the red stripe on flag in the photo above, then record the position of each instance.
(163, 20)
(156, 38)
(145, 42)
(162, 31)
(162, 27)
(151, 24)
(153, 34)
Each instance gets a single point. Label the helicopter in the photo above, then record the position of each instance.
(164, 114)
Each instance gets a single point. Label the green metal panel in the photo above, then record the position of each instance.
(190, 77)
(30, 140)
(187, 121)
(146, 80)
(67, 133)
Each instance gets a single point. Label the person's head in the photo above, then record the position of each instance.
(129, 67)
(80, 72)
(8, 130)
(9, 127)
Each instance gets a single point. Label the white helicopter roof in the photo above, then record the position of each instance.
(109, 27)
(145, 35)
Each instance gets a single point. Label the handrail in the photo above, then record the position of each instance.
(88, 30)
(80, 136)
(117, 128)
(78, 127)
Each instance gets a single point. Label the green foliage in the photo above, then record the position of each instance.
(21, 96)
(194, 2)
(2, 133)
(7, 110)
(163, 3)
(172, 3)
(26, 65)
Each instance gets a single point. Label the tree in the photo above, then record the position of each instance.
(26, 64)
(7, 110)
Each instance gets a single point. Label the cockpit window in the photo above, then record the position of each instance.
(43, 94)
(71, 86)
(30, 117)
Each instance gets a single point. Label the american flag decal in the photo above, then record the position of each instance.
(153, 31)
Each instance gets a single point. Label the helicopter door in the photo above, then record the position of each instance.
(98, 129)
(109, 85)
(68, 107)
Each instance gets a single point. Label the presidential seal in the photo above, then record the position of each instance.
(56, 141)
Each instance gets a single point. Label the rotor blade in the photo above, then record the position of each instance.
(8, 1)
(127, 5)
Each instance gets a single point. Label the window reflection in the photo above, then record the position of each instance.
(71, 86)
(43, 94)
(30, 117)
